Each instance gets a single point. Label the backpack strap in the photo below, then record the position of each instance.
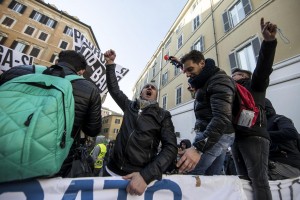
(73, 77)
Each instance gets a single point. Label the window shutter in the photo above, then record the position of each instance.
(66, 28)
(25, 49)
(202, 43)
(23, 9)
(54, 24)
(256, 47)
(226, 21)
(12, 4)
(45, 20)
(32, 14)
(1, 1)
(3, 40)
(247, 6)
(14, 44)
(52, 58)
(232, 61)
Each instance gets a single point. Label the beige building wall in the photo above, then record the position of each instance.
(222, 45)
(56, 35)
(111, 126)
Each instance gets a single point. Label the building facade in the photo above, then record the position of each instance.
(227, 31)
(39, 29)
(111, 125)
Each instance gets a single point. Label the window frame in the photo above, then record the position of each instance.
(178, 99)
(61, 42)
(11, 21)
(164, 101)
(27, 27)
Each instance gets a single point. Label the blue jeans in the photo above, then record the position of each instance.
(212, 160)
(250, 155)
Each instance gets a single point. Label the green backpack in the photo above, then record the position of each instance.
(36, 121)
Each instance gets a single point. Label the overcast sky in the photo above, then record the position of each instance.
(133, 28)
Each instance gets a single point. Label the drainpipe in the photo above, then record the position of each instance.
(215, 37)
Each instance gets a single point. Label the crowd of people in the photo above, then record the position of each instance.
(146, 145)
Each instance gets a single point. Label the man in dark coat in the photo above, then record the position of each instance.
(251, 147)
(284, 158)
(213, 111)
(144, 126)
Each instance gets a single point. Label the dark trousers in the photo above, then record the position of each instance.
(250, 155)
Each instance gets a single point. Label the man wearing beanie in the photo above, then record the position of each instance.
(145, 125)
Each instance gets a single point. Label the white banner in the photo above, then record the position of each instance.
(95, 59)
(10, 58)
(174, 187)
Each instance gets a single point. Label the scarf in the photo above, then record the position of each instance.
(142, 104)
(208, 70)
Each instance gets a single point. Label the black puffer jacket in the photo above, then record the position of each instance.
(257, 86)
(137, 143)
(284, 138)
(213, 108)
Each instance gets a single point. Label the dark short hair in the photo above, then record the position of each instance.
(249, 73)
(76, 59)
(194, 55)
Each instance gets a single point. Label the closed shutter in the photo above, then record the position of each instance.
(202, 43)
(52, 58)
(247, 6)
(32, 14)
(54, 24)
(3, 40)
(226, 21)
(23, 9)
(14, 44)
(256, 47)
(25, 49)
(12, 4)
(66, 28)
(232, 60)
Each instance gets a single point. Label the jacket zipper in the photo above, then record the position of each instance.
(126, 149)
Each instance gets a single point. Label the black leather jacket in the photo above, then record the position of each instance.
(136, 146)
(213, 109)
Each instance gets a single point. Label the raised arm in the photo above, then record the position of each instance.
(112, 83)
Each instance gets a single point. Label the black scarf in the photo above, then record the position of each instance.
(208, 70)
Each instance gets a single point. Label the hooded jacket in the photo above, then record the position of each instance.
(136, 145)
(284, 138)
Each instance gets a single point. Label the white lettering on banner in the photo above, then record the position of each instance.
(96, 63)
(10, 58)
(174, 187)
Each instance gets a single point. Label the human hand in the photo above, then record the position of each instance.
(110, 57)
(268, 30)
(188, 160)
(136, 185)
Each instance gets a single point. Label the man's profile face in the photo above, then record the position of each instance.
(149, 92)
(192, 69)
(239, 75)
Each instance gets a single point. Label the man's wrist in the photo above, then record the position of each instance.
(197, 150)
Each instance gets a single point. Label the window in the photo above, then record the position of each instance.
(53, 58)
(116, 130)
(178, 30)
(199, 44)
(196, 22)
(164, 78)
(19, 46)
(164, 102)
(236, 13)
(37, 16)
(117, 121)
(178, 95)
(177, 71)
(16, 6)
(43, 36)
(43, 19)
(246, 56)
(153, 70)
(68, 31)
(29, 30)
(105, 130)
(50, 22)
(179, 42)
(8, 21)
(168, 43)
(63, 45)
(35, 52)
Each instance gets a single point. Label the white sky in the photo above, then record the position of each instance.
(133, 28)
